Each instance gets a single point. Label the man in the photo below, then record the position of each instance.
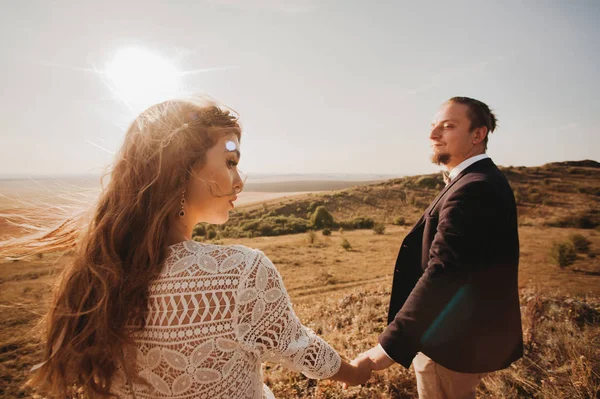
(454, 309)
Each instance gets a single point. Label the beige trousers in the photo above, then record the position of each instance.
(437, 382)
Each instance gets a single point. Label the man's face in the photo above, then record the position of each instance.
(450, 136)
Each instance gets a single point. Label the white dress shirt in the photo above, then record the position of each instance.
(465, 164)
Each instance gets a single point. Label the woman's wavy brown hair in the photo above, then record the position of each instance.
(119, 248)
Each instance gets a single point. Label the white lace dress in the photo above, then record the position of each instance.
(215, 313)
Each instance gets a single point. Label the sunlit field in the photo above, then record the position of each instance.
(342, 292)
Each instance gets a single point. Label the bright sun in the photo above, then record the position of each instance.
(141, 78)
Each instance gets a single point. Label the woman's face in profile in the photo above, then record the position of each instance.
(213, 186)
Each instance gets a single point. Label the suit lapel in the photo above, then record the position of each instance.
(445, 190)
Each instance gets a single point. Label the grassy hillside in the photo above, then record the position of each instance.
(343, 292)
(557, 194)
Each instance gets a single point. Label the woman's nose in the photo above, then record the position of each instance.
(238, 183)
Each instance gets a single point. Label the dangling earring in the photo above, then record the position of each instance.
(182, 212)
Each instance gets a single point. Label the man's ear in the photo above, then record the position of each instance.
(479, 135)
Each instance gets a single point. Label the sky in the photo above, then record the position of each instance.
(320, 86)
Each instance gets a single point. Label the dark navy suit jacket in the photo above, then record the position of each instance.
(455, 294)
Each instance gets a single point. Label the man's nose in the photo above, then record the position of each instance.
(434, 133)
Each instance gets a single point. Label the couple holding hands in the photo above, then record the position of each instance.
(143, 311)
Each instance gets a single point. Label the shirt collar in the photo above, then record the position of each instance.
(465, 164)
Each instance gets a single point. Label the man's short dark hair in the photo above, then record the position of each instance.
(478, 113)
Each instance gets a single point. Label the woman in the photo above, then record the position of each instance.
(145, 312)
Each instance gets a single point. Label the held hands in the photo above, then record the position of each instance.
(379, 359)
(374, 359)
(361, 371)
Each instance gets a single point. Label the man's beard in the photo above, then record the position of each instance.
(440, 159)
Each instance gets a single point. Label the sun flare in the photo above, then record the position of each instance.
(141, 78)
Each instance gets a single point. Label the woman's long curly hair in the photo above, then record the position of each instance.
(119, 248)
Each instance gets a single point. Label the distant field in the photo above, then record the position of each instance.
(20, 194)
(13, 192)
(17, 196)
(308, 185)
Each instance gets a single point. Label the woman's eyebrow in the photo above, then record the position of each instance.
(236, 151)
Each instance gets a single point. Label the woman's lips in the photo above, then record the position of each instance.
(231, 201)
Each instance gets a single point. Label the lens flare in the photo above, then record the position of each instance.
(141, 78)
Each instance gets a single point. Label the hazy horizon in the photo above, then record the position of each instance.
(324, 87)
(268, 177)
(261, 177)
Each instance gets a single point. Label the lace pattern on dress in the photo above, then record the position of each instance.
(216, 312)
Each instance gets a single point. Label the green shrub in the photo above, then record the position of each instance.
(346, 244)
(326, 232)
(210, 234)
(274, 226)
(429, 181)
(563, 254)
(581, 244)
(357, 223)
(266, 229)
(379, 229)
(589, 219)
(326, 278)
(313, 206)
(199, 230)
(363, 223)
(276, 219)
(346, 225)
(340, 194)
(250, 226)
(400, 221)
(232, 232)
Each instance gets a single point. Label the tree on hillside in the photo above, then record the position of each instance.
(322, 218)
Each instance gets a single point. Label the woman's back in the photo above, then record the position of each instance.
(215, 312)
(212, 313)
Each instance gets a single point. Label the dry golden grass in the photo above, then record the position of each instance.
(343, 295)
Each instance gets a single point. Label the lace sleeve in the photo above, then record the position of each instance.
(268, 325)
